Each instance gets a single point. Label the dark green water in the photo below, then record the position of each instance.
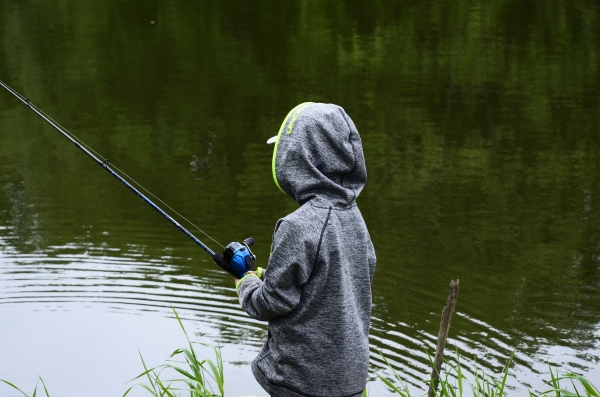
(481, 128)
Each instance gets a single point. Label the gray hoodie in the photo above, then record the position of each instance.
(316, 290)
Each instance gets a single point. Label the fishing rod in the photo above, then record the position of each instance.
(236, 259)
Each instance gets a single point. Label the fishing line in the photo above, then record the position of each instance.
(118, 169)
(105, 163)
(166, 205)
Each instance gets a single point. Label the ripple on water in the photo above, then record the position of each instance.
(131, 284)
(123, 282)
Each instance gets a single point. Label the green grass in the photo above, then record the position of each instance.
(587, 389)
(34, 394)
(197, 377)
(454, 382)
(193, 375)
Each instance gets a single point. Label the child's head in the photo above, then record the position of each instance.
(318, 154)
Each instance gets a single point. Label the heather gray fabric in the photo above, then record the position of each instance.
(316, 290)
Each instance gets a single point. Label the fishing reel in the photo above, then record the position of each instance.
(237, 258)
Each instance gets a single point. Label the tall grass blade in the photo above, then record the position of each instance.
(501, 391)
(15, 387)
(147, 373)
(389, 365)
(590, 390)
(217, 370)
(392, 386)
(554, 381)
(127, 392)
(459, 374)
(403, 393)
(575, 388)
(45, 389)
(166, 389)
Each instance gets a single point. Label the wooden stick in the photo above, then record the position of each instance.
(443, 336)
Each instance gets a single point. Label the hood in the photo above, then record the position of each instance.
(318, 155)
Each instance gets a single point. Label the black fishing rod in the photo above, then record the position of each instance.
(237, 258)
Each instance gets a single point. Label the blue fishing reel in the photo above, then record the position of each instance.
(237, 259)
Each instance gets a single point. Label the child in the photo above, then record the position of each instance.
(316, 290)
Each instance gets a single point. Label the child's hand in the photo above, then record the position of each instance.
(236, 280)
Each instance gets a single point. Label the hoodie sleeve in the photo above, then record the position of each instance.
(290, 266)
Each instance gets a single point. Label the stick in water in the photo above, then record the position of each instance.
(442, 337)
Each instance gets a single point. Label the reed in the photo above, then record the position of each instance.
(195, 373)
(483, 385)
(196, 378)
(34, 394)
(587, 389)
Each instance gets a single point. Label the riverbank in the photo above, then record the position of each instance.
(204, 377)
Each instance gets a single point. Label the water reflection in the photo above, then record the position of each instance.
(479, 124)
(23, 220)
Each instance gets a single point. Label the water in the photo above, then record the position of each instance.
(480, 127)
